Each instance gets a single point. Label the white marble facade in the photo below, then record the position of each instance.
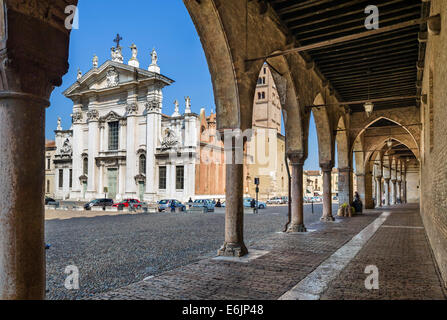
(123, 146)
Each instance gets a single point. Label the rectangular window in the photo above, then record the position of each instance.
(48, 163)
(61, 179)
(162, 178)
(71, 178)
(113, 136)
(180, 178)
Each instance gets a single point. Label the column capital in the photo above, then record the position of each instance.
(387, 180)
(296, 158)
(347, 169)
(34, 49)
(326, 166)
(360, 174)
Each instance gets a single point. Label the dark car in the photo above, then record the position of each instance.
(98, 203)
(165, 205)
(49, 200)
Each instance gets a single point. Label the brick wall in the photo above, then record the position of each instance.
(434, 155)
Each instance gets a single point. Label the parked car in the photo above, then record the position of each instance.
(247, 203)
(165, 205)
(275, 200)
(204, 203)
(98, 203)
(133, 203)
(50, 201)
(285, 199)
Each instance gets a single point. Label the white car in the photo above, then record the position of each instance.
(275, 200)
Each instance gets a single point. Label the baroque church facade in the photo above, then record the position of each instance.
(121, 145)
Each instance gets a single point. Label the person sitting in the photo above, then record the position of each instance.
(357, 203)
(218, 204)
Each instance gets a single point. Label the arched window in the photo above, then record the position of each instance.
(85, 166)
(142, 164)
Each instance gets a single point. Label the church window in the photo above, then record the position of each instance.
(263, 95)
(61, 179)
(142, 164)
(85, 166)
(162, 178)
(113, 135)
(180, 178)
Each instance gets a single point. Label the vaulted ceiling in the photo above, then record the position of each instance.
(374, 67)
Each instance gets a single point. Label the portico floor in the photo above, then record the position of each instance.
(329, 262)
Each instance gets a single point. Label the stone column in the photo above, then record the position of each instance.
(386, 185)
(369, 203)
(393, 192)
(327, 192)
(404, 191)
(234, 211)
(378, 191)
(344, 186)
(399, 190)
(297, 200)
(153, 134)
(361, 187)
(33, 58)
(93, 148)
(131, 156)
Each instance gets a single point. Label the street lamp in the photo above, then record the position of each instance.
(369, 107)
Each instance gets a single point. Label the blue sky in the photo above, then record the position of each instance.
(163, 25)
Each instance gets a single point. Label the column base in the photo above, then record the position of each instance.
(327, 219)
(232, 250)
(296, 228)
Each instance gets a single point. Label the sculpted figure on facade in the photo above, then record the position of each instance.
(113, 77)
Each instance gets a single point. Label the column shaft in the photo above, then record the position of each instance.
(387, 191)
(297, 205)
(22, 253)
(378, 192)
(327, 194)
(234, 210)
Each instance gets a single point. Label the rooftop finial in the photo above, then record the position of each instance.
(176, 110)
(95, 61)
(154, 65)
(59, 126)
(134, 61)
(117, 40)
(188, 105)
(116, 52)
(79, 74)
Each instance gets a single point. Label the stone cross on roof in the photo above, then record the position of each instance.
(117, 40)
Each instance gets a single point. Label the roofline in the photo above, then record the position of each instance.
(68, 92)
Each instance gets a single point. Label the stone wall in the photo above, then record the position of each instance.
(434, 154)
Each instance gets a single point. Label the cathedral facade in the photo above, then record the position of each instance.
(121, 144)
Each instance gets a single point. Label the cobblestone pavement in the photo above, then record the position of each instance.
(113, 250)
(401, 254)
